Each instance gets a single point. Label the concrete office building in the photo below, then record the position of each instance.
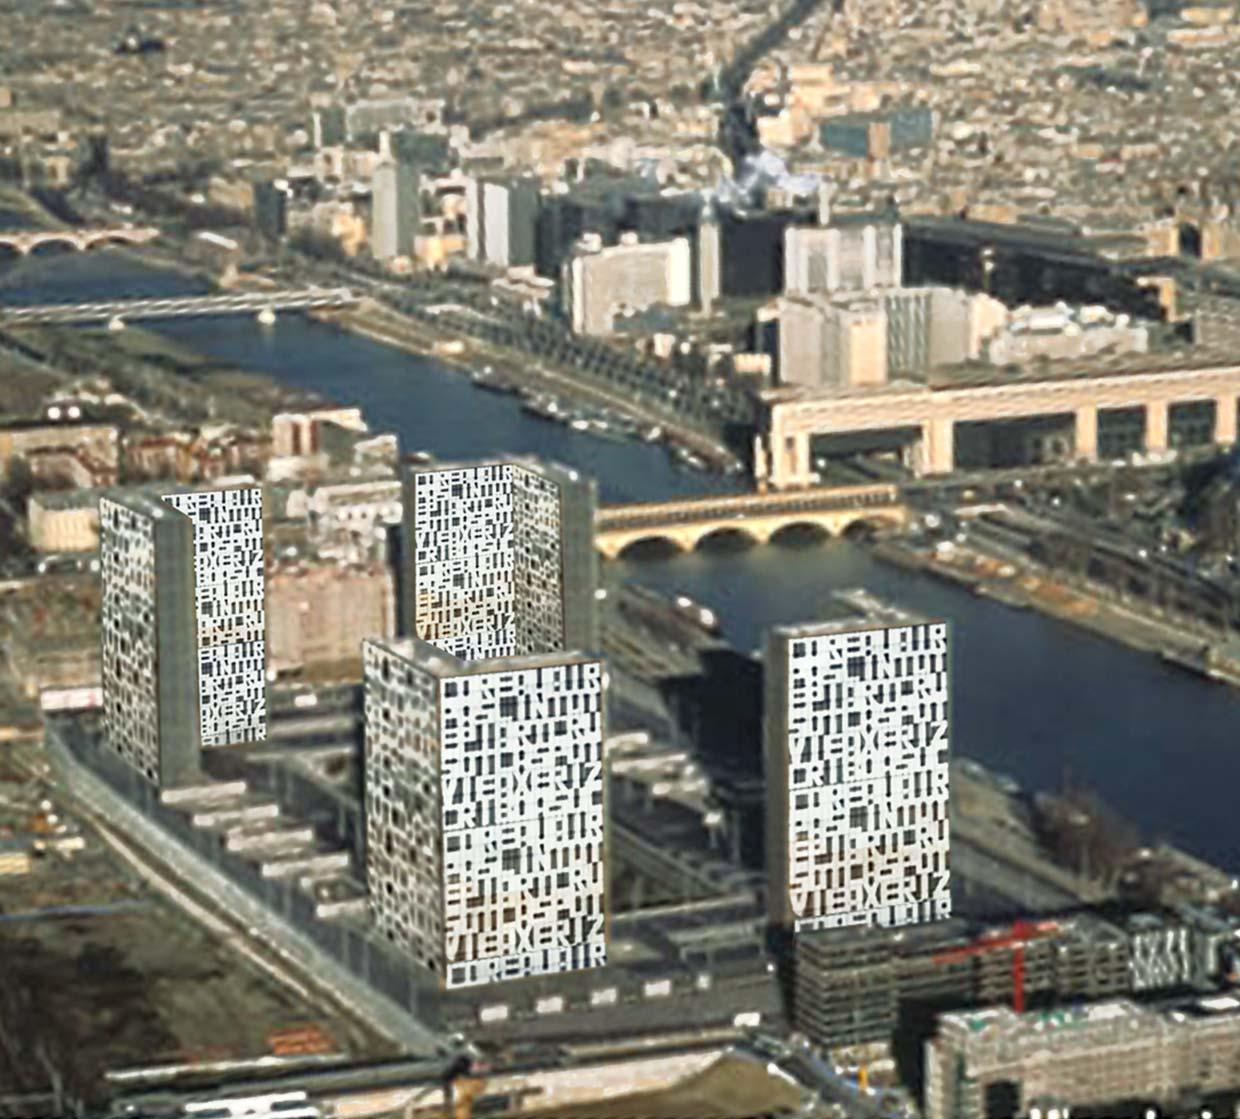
(709, 262)
(1099, 1059)
(853, 253)
(878, 135)
(327, 127)
(829, 343)
(857, 737)
(598, 282)
(362, 119)
(844, 339)
(430, 150)
(931, 326)
(499, 558)
(394, 207)
(501, 221)
(485, 826)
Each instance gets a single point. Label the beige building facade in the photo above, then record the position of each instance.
(318, 616)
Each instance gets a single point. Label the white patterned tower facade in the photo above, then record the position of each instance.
(230, 606)
(148, 642)
(857, 744)
(485, 823)
(499, 559)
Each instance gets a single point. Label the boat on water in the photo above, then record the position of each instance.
(700, 615)
(267, 316)
(486, 378)
(1002, 592)
(685, 457)
(602, 424)
(605, 430)
(1196, 661)
(1204, 661)
(545, 408)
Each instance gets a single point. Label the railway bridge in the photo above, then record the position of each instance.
(759, 516)
(120, 311)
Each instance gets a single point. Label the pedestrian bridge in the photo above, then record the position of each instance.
(25, 241)
(759, 516)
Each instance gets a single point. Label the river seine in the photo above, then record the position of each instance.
(1032, 697)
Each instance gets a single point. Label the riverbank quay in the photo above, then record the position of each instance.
(373, 319)
(1028, 587)
(164, 384)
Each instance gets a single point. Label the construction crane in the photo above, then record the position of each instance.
(1014, 939)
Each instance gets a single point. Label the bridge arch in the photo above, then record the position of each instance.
(647, 544)
(90, 241)
(38, 244)
(808, 529)
(734, 532)
(875, 520)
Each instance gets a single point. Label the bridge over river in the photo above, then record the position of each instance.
(120, 311)
(686, 523)
(25, 241)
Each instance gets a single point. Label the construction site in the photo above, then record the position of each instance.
(1105, 1059)
(148, 978)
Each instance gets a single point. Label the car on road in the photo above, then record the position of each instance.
(66, 563)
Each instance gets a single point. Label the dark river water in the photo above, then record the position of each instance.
(1032, 697)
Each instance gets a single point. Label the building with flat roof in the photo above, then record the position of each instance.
(499, 558)
(855, 252)
(485, 827)
(230, 611)
(598, 282)
(849, 339)
(151, 705)
(501, 220)
(1108, 1055)
(833, 343)
(1115, 404)
(395, 210)
(857, 739)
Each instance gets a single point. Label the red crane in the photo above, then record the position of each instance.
(1015, 938)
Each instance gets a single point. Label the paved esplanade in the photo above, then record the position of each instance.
(180, 307)
(687, 522)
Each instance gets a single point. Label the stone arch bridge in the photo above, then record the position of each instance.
(759, 516)
(25, 241)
